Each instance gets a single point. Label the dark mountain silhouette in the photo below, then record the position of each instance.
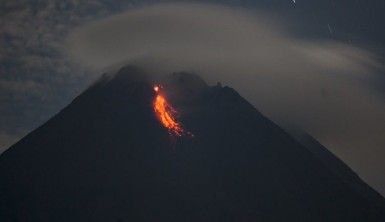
(106, 157)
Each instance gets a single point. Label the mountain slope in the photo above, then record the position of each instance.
(339, 168)
(106, 157)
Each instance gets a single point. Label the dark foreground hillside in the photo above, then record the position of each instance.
(106, 157)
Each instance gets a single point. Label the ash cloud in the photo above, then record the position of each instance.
(323, 87)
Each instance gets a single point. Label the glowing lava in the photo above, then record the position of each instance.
(166, 114)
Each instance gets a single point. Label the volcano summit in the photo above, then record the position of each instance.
(107, 157)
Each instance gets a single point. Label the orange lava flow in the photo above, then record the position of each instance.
(166, 113)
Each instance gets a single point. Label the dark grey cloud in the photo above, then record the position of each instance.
(323, 86)
(36, 78)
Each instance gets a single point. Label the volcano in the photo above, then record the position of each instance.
(108, 157)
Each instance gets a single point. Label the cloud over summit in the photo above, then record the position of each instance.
(322, 86)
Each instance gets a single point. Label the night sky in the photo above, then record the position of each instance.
(44, 64)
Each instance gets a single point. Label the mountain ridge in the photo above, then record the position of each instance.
(107, 157)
